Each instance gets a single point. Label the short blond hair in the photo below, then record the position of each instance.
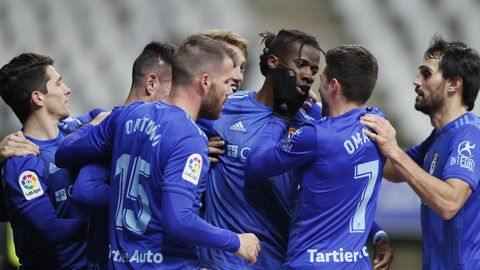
(229, 37)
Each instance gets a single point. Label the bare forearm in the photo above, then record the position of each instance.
(443, 197)
(391, 173)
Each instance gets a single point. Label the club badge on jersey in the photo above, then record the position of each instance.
(30, 185)
(434, 163)
(192, 169)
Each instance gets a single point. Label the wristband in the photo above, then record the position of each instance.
(379, 235)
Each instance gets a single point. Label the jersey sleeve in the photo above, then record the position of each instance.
(187, 163)
(71, 124)
(92, 185)
(418, 152)
(24, 185)
(271, 156)
(376, 233)
(464, 154)
(182, 222)
(87, 144)
(206, 126)
(314, 110)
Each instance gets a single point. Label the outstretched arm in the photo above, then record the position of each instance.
(445, 197)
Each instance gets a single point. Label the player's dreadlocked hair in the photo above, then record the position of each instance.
(19, 78)
(275, 43)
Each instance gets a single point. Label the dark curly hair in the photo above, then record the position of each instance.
(275, 43)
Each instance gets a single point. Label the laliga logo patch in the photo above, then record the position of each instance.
(193, 168)
(30, 185)
(464, 157)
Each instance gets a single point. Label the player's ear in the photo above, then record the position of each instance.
(37, 98)
(454, 84)
(205, 83)
(151, 80)
(272, 61)
(336, 86)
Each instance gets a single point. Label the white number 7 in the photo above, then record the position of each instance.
(369, 170)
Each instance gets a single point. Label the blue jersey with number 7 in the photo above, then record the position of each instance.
(340, 170)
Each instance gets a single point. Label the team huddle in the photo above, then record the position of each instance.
(192, 173)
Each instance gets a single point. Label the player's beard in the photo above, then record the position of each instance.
(211, 105)
(432, 103)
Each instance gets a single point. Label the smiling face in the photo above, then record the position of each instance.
(430, 86)
(56, 98)
(237, 80)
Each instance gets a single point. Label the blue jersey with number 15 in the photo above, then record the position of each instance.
(155, 148)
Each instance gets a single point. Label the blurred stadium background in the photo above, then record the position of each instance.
(94, 44)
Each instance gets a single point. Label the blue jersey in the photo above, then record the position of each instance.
(314, 110)
(92, 188)
(157, 153)
(35, 186)
(233, 204)
(452, 152)
(340, 171)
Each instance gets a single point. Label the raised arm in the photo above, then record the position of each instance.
(444, 196)
(271, 156)
(90, 143)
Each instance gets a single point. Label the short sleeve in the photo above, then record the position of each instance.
(464, 156)
(418, 152)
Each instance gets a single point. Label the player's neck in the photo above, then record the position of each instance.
(340, 108)
(41, 126)
(265, 94)
(136, 94)
(446, 114)
(131, 98)
(186, 100)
